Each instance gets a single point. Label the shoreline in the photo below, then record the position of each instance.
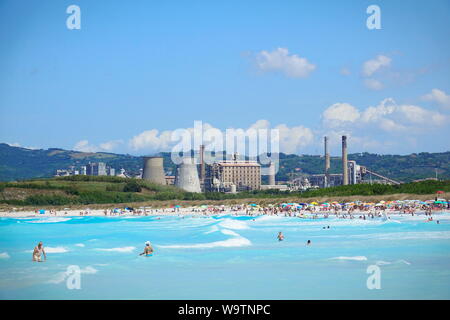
(227, 210)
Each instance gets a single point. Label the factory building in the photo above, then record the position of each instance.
(96, 169)
(233, 175)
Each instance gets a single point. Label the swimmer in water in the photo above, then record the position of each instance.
(280, 236)
(308, 242)
(148, 250)
(38, 250)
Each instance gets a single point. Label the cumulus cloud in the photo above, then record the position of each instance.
(279, 60)
(291, 139)
(85, 146)
(152, 140)
(439, 97)
(387, 116)
(373, 65)
(339, 113)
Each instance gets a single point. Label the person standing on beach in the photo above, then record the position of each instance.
(38, 250)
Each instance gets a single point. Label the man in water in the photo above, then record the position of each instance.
(308, 243)
(280, 236)
(148, 250)
(38, 250)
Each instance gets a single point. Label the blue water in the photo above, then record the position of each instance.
(226, 257)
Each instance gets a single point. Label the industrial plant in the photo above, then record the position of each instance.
(237, 174)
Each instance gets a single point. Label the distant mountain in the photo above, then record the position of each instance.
(20, 163)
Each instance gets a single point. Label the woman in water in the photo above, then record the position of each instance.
(280, 236)
(148, 250)
(38, 250)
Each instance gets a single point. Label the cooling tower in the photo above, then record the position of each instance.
(327, 163)
(272, 174)
(187, 178)
(344, 161)
(153, 170)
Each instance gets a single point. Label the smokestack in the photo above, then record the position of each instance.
(344, 161)
(327, 163)
(202, 165)
(272, 174)
(187, 177)
(153, 170)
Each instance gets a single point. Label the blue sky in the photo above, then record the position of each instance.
(309, 68)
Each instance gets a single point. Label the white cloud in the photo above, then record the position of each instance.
(387, 116)
(110, 145)
(152, 140)
(438, 96)
(85, 146)
(292, 140)
(373, 84)
(373, 65)
(340, 113)
(279, 60)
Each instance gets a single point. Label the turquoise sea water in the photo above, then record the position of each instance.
(226, 257)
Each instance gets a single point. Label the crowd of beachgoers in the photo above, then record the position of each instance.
(351, 210)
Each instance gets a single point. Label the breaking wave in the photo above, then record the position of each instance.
(120, 249)
(233, 224)
(355, 258)
(236, 241)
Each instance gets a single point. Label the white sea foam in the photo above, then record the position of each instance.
(80, 245)
(425, 235)
(58, 278)
(214, 228)
(233, 224)
(120, 249)
(233, 242)
(236, 241)
(61, 276)
(382, 263)
(230, 233)
(4, 255)
(356, 258)
(50, 220)
(89, 270)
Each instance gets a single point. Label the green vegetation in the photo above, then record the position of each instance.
(20, 163)
(76, 190)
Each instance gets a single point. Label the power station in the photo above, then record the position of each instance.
(154, 170)
(187, 176)
(244, 175)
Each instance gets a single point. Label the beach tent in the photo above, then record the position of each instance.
(42, 211)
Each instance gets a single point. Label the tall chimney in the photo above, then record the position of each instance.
(327, 163)
(202, 166)
(344, 161)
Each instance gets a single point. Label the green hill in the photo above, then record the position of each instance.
(20, 163)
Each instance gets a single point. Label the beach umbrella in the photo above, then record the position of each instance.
(439, 192)
(314, 203)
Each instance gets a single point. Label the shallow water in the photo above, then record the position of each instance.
(226, 257)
